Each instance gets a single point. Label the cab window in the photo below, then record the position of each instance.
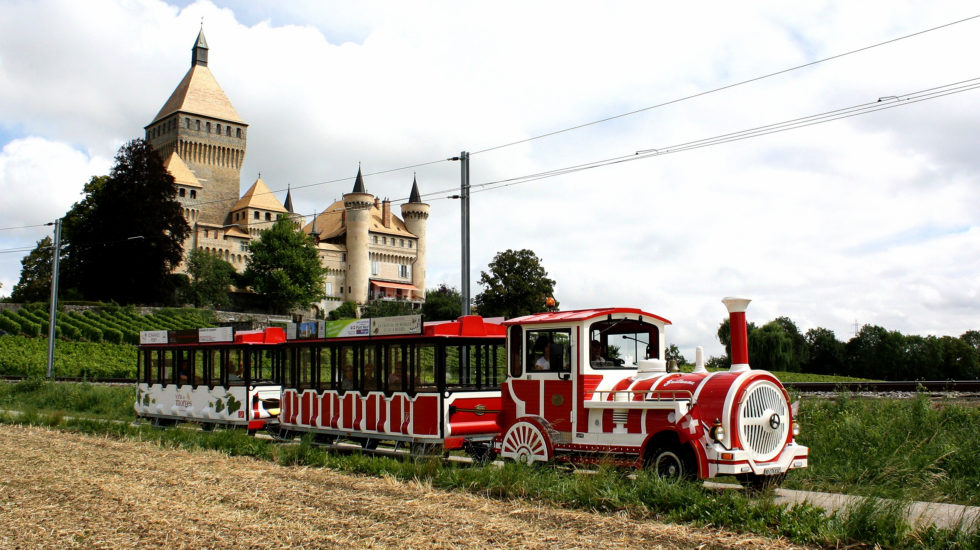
(548, 350)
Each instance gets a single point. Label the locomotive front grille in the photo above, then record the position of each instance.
(763, 420)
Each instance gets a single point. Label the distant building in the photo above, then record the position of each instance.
(370, 253)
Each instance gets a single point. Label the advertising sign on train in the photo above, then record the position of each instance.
(391, 326)
(153, 337)
(220, 334)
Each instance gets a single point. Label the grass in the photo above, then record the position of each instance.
(906, 449)
(899, 450)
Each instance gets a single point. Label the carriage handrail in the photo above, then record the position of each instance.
(673, 395)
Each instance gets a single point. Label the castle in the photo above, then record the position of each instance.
(370, 253)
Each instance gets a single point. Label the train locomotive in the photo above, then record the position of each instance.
(585, 386)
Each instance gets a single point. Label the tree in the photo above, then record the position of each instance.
(285, 268)
(442, 304)
(874, 352)
(516, 285)
(35, 274)
(211, 278)
(123, 240)
(798, 345)
(673, 352)
(346, 310)
(387, 308)
(771, 348)
(959, 359)
(825, 352)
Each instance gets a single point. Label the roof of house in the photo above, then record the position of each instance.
(259, 196)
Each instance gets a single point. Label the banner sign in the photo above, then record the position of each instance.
(153, 337)
(305, 331)
(220, 334)
(391, 326)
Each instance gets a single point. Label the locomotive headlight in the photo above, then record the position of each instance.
(717, 431)
(796, 429)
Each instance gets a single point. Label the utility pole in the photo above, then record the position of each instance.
(54, 295)
(464, 196)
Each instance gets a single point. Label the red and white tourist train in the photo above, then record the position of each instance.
(586, 386)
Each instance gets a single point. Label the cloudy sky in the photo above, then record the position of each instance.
(867, 219)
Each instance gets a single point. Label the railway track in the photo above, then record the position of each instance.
(898, 386)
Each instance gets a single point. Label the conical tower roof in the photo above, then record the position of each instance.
(358, 183)
(259, 196)
(199, 93)
(415, 196)
(289, 200)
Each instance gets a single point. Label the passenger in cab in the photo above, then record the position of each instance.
(542, 348)
(596, 354)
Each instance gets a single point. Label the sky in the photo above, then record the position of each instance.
(870, 219)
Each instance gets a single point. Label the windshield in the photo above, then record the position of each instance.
(618, 344)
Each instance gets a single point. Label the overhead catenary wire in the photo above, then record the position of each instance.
(725, 87)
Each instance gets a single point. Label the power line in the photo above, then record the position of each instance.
(726, 87)
(883, 103)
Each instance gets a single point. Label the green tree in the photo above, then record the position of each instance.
(673, 352)
(515, 285)
(442, 304)
(211, 278)
(825, 352)
(771, 348)
(798, 345)
(388, 308)
(284, 267)
(346, 310)
(960, 360)
(35, 274)
(125, 237)
(875, 352)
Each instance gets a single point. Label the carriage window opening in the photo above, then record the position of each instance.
(304, 356)
(425, 371)
(346, 374)
(620, 343)
(516, 342)
(209, 362)
(325, 376)
(395, 368)
(166, 367)
(198, 361)
(549, 350)
(234, 368)
(370, 380)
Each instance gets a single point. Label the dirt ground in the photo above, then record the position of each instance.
(62, 490)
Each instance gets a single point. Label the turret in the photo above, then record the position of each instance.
(416, 213)
(357, 208)
(199, 53)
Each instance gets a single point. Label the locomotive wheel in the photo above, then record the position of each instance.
(672, 462)
(526, 443)
(758, 484)
(426, 450)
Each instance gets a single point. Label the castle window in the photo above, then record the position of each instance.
(238, 131)
(328, 288)
(403, 271)
(268, 216)
(198, 125)
(188, 120)
(208, 126)
(228, 130)
(256, 215)
(375, 239)
(343, 256)
(193, 194)
(374, 268)
(217, 128)
(410, 244)
(181, 192)
(384, 240)
(401, 242)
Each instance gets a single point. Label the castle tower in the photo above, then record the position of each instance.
(357, 214)
(201, 126)
(416, 213)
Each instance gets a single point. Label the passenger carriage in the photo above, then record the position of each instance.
(429, 387)
(593, 386)
(213, 376)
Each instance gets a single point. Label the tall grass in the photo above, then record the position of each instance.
(905, 449)
(75, 399)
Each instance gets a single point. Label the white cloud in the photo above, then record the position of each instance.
(869, 220)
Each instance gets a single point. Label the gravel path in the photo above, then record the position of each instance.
(61, 490)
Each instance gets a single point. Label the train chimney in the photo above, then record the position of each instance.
(699, 360)
(738, 332)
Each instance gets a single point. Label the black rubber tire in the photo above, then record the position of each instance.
(671, 462)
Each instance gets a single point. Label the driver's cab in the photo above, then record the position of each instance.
(559, 360)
